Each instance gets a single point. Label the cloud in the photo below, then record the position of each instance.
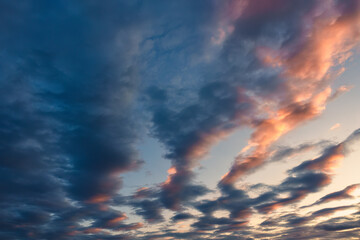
(66, 127)
(298, 187)
(291, 190)
(331, 156)
(285, 152)
(81, 82)
(181, 216)
(219, 224)
(150, 210)
(327, 162)
(328, 211)
(295, 92)
(306, 62)
(341, 223)
(339, 195)
(308, 177)
(192, 142)
(335, 126)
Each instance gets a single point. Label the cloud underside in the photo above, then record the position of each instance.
(81, 84)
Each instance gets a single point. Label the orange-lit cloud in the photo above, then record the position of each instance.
(307, 68)
(99, 198)
(117, 220)
(92, 230)
(270, 130)
(335, 126)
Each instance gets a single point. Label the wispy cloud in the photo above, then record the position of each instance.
(335, 126)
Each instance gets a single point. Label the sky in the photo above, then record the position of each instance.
(179, 119)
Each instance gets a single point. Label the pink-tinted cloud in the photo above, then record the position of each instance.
(335, 126)
(270, 130)
(306, 67)
(331, 157)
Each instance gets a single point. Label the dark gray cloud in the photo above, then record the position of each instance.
(339, 195)
(182, 216)
(297, 187)
(150, 210)
(219, 224)
(341, 223)
(66, 126)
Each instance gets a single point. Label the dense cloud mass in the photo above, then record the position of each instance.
(83, 82)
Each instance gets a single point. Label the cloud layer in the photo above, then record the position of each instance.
(82, 83)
